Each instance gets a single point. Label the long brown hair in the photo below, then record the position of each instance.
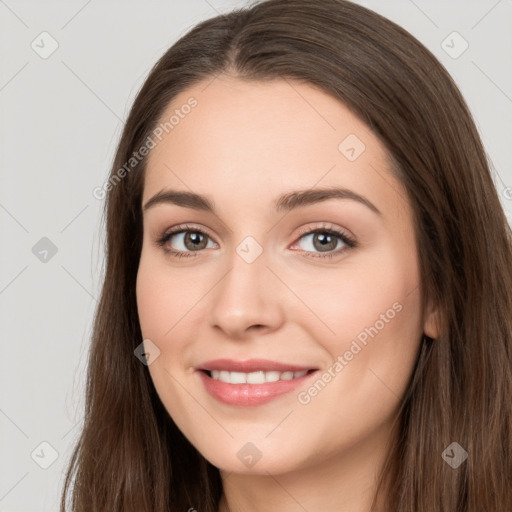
(132, 457)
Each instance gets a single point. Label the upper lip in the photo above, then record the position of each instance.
(250, 365)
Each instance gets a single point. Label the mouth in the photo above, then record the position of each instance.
(257, 377)
(250, 383)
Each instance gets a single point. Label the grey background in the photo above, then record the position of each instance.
(62, 117)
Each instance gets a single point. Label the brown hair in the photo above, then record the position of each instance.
(132, 457)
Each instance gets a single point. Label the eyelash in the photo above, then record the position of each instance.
(348, 241)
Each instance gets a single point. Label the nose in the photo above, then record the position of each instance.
(247, 299)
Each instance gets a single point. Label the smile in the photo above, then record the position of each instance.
(258, 377)
(251, 388)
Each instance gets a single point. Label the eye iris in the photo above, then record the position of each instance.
(194, 237)
(326, 241)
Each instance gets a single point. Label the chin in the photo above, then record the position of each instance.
(252, 458)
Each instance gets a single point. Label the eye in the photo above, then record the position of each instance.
(189, 238)
(323, 238)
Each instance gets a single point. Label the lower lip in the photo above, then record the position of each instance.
(250, 394)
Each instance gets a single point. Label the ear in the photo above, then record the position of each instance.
(431, 327)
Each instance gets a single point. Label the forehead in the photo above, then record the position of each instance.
(246, 142)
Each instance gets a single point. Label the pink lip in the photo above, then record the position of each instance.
(251, 365)
(249, 394)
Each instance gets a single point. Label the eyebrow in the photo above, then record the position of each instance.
(284, 203)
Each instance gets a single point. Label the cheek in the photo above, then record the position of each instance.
(355, 296)
(372, 354)
(164, 295)
(371, 317)
(168, 307)
(161, 305)
(150, 302)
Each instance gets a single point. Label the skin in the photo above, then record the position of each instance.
(243, 145)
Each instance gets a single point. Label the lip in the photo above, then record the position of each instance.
(250, 394)
(251, 365)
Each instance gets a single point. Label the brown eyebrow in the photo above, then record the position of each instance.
(286, 202)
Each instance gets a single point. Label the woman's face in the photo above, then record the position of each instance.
(256, 282)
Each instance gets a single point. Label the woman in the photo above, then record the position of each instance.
(308, 283)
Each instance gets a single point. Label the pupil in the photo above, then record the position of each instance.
(194, 238)
(325, 241)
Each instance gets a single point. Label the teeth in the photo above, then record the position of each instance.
(235, 377)
(254, 377)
